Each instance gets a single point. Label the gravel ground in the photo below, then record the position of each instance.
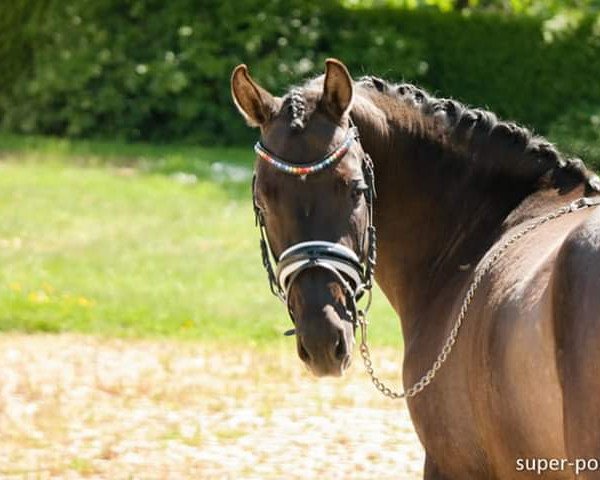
(84, 407)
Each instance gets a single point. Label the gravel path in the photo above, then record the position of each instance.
(85, 407)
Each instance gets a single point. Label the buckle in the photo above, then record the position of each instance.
(584, 202)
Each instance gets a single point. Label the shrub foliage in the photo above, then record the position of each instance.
(159, 71)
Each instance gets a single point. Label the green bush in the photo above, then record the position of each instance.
(159, 71)
(578, 132)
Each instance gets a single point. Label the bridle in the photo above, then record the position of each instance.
(344, 264)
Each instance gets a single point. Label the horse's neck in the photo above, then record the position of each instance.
(434, 222)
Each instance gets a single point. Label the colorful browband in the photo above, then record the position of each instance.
(310, 168)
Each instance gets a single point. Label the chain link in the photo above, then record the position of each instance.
(426, 379)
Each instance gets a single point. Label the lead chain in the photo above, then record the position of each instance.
(426, 379)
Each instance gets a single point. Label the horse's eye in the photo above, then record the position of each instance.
(359, 187)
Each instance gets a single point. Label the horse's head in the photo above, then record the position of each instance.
(314, 207)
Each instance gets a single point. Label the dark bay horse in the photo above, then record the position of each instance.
(452, 183)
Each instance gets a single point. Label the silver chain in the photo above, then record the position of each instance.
(426, 379)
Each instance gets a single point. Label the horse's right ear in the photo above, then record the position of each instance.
(254, 102)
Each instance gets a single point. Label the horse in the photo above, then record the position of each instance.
(445, 186)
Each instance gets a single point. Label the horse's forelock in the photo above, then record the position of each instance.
(298, 109)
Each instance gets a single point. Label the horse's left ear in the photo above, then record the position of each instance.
(337, 88)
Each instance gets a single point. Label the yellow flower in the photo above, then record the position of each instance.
(15, 286)
(84, 302)
(189, 323)
(37, 297)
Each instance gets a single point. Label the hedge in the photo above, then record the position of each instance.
(159, 71)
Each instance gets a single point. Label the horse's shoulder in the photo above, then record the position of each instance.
(567, 246)
(584, 238)
(576, 277)
(578, 260)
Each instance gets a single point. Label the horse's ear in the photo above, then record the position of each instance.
(254, 102)
(337, 89)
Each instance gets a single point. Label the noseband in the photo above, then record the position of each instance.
(355, 278)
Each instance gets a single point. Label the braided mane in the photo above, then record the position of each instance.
(489, 143)
(297, 108)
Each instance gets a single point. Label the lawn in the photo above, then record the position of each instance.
(135, 241)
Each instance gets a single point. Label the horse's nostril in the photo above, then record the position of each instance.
(346, 362)
(341, 349)
(302, 352)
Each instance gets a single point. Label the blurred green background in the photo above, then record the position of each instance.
(158, 71)
(124, 167)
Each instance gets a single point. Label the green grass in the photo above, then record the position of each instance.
(104, 152)
(89, 246)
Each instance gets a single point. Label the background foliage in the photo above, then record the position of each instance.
(159, 71)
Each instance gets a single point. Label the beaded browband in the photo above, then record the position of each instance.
(309, 168)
